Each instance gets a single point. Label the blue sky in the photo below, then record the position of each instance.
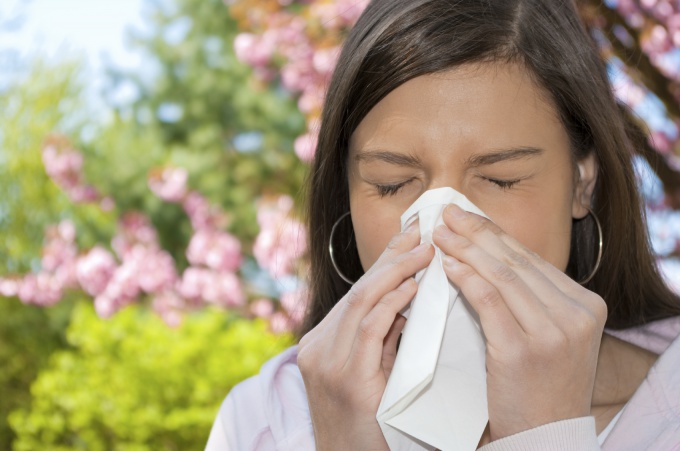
(55, 29)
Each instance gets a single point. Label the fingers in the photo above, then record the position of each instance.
(526, 282)
(377, 334)
(508, 250)
(559, 279)
(543, 330)
(491, 279)
(402, 258)
(401, 243)
(374, 288)
(375, 291)
(498, 322)
(356, 342)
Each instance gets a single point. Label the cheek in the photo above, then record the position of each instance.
(550, 242)
(545, 229)
(373, 233)
(375, 221)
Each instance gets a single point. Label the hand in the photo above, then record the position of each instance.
(543, 330)
(346, 360)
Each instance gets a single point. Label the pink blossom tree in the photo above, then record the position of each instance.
(295, 44)
(134, 267)
(292, 46)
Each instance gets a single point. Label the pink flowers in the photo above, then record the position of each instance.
(169, 184)
(133, 228)
(9, 287)
(121, 290)
(64, 165)
(282, 239)
(57, 271)
(302, 47)
(215, 256)
(201, 214)
(278, 248)
(138, 267)
(146, 270)
(156, 269)
(254, 50)
(338, 13)
(305, 146)
(42, 289)
(215, 249)
(659, 25)
(95, 269)
(294, 305)
(214, 287)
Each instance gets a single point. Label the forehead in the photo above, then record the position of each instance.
(481, 105)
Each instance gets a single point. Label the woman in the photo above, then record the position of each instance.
(508, 103)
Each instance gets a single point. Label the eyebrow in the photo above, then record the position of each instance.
(503, 155)
(395, 158)
(496, 156)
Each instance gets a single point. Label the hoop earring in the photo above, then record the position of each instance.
(330, 250)
(599, 251)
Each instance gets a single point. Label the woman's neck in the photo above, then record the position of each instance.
(621, 368)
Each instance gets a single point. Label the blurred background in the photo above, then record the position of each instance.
(152, 161)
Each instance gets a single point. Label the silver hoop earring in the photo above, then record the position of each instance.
(599, 251)
(330, 250)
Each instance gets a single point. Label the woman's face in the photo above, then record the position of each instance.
(486, 130)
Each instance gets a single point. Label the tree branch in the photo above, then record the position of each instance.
(635, 58)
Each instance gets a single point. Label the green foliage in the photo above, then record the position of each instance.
(49, 99)
(132, 383)
(28, 335)
(215, 103)
(220, 103)
(118, 161)
(104, 397)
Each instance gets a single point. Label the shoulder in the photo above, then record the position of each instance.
(664, 383)
(266, 411)
(651, 419)
(655, 336)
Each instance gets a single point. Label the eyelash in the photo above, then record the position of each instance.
(391, 190)
(503, 184)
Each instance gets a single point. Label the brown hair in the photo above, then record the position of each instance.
(397, 40)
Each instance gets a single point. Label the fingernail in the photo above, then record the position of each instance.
(420, 248)
(455, 211)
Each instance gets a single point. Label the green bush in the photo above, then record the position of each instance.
(28, 336)
(132, 383)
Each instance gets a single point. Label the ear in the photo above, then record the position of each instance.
(584, 186)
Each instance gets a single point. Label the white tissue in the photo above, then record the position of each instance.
(436, 394)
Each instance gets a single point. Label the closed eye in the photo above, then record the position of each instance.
(503, 184)
(390, 189)
(394, 188)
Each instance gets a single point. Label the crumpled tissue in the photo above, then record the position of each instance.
(436, 394)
